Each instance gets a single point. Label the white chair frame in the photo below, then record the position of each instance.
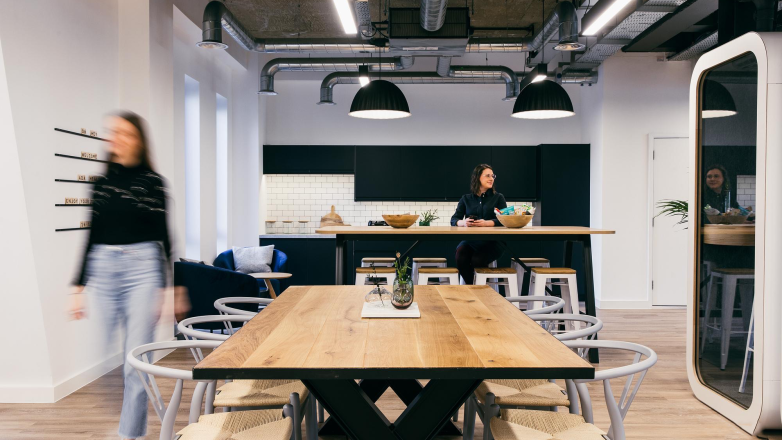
(186, 328)
(221, 306)
(556, 304)
(550, 322)
(167, 414)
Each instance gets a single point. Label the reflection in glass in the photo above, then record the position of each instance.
(726, 198)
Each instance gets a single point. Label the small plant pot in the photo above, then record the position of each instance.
(424, 224)
(402, 296)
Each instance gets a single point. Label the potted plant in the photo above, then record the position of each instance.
(402, 295)
(674, 208)
(427, 217)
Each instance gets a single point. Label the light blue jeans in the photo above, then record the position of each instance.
(125, 281)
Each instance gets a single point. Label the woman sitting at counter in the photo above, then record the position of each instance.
(717, 191)
(477, 210)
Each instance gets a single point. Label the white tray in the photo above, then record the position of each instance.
(376, 310)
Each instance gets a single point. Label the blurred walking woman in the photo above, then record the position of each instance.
(127, 255)
(477, 210)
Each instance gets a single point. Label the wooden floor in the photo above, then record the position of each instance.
(664, 409)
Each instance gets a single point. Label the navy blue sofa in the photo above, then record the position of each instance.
(206, 284)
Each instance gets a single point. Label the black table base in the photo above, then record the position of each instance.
(429, 409)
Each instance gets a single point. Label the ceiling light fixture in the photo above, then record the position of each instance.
(569, 46)
(212, 45)
(380, 99)
(717, 101)
(346, 16)
(543, 100)
(363, 75)
(604, 15)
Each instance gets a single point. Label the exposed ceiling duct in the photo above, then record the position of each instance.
(507, 75)
(217, 17)
(363, 19)
(327, 86)
(433, 14)
(562, 20)
(320, 65)
(636, 22)
(486, 77)
(443, 66)
(697, 49)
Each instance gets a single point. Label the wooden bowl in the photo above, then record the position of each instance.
(400, 221)
(515, 221)
(727, 219)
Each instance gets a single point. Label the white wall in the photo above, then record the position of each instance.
(442, 114)
(637, 96)
(82, 60)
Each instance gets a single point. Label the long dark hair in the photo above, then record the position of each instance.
(475, 180)
(725, 178)
(137, 121)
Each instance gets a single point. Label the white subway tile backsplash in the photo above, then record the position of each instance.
(309, 197)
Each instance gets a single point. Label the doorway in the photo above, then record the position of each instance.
(668, 260)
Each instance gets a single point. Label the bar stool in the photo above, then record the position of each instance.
(729, 279)
(530, 262)
(505, 276)
(426, 274)
(418, 263)
(379, 261)
(365, 274)
(541, 276)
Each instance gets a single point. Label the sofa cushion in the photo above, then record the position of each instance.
(253, 259)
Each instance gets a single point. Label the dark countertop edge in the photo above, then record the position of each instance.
(332, 236)
(401, 373)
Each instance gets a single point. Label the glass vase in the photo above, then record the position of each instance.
(378, 296)
(402, 296)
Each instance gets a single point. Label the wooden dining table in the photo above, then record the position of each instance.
(465, 334)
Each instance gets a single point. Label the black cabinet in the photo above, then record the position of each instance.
(423, 177)
(311, 261)
(459, 162)
(516, 168)
(308, 159)
(379, 173)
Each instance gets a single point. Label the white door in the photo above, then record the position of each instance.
(669, 240)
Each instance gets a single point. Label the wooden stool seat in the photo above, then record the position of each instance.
(495, 270)
(534, 260)
(430, 260)
(553, 270)
(373, 270)
(438, 270)
(735, 271)
(426, 274)
(421, 262)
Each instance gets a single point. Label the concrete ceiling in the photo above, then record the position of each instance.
(318, 18)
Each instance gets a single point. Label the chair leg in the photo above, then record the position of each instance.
(469, 418)
(540, 289)
(311, 422)
(728, 300)
(361, 279)
(513, 288)
(711, 301)
(748, 352)
(423, 280)
(490, 410)
(453, 279)
(296, 404)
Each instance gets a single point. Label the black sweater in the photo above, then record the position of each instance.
(482, 206)
(128, 206)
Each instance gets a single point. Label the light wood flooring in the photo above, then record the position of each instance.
(664, 408)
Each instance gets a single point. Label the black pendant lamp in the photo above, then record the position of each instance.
(543, 100)
(379, 99)
(717, 101)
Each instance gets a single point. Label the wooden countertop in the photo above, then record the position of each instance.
(729, 235)
(455, 230)
(316, 332)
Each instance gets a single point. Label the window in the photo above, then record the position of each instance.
(192, 169)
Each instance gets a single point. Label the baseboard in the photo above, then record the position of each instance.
(22, 394)
(51, 394)
(614, 305)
